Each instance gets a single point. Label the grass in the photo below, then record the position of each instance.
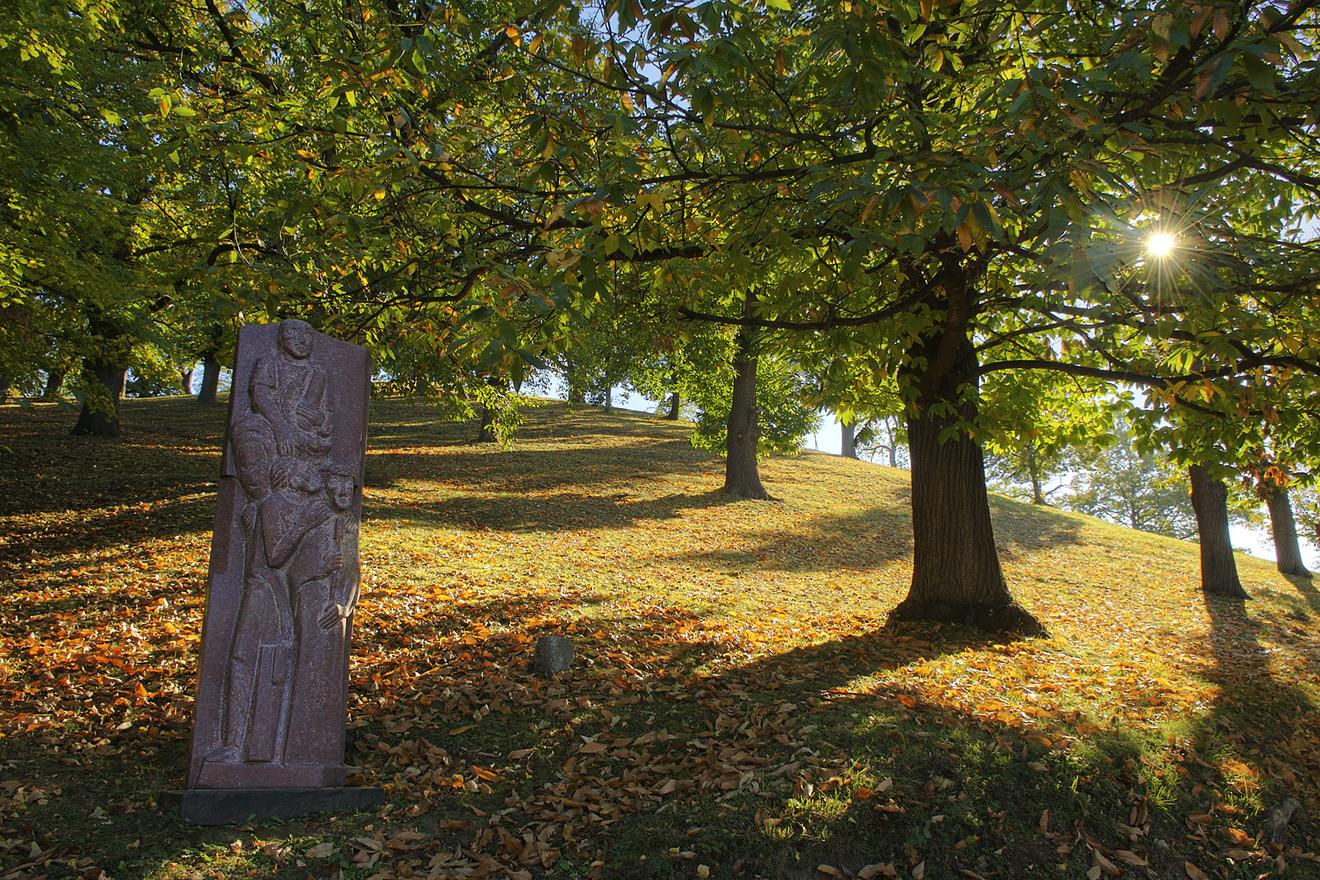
(738, 707)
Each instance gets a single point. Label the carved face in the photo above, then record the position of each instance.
(296, 339)
(341, 491)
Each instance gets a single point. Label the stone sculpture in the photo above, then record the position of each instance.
(269, 733)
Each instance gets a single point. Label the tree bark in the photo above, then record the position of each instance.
(1287, 549)
(210, 377)
(99, 416)
(848, 440)
(185, 379)
(675, 404)
(54, 381)
(1210, 502)
(1033, 470)
(742, 475)
(486, 433)
(609, 399)
(956, 576)
(5, 382)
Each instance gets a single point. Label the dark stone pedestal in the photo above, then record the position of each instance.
(208, 806)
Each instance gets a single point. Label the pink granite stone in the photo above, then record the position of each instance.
(284, 565)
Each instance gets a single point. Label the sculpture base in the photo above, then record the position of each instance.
(229, 806)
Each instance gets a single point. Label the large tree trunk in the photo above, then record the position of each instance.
(1287, 549)
(675, 404)
(609, 399)
(847, 440)
(486, 433)
(1210, 502)
(956, 576)
(210, 377)
(104, 382)
(103, 377)
(573, 383)
(5, 382)
(54, 381)
(742, 475)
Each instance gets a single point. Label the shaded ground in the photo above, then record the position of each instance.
(738, 704)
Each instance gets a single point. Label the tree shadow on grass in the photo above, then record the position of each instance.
(561, 511)
(960, 783)
(778, 764)
(1305, 584)
(855, 542)
(1029, 528)
(111, 536)
(536, 470)
(1261, 719)
(407, 423)
(59, 472)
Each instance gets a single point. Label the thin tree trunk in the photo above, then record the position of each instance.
(54, 381)
(675, 404)
(848, 440)
(5, 382)
(1210, 502)
(185, 379)
(742, 475)
(1287, 549)
(1033, 470)
(210, 377)
(609, 399)
(956, 576)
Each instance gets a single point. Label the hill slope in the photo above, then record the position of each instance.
(737, 702)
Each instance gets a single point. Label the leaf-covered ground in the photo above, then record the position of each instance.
(738, 707)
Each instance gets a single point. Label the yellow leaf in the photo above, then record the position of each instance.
(870, 872)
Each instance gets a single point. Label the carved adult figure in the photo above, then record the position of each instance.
(264, 648)
(290, 392)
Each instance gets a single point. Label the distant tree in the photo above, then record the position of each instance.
(1033, 424)
(885, 436)
(775, 419)
(1273, 486)
(1139, 489)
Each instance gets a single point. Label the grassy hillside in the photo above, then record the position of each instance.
(738, 708)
